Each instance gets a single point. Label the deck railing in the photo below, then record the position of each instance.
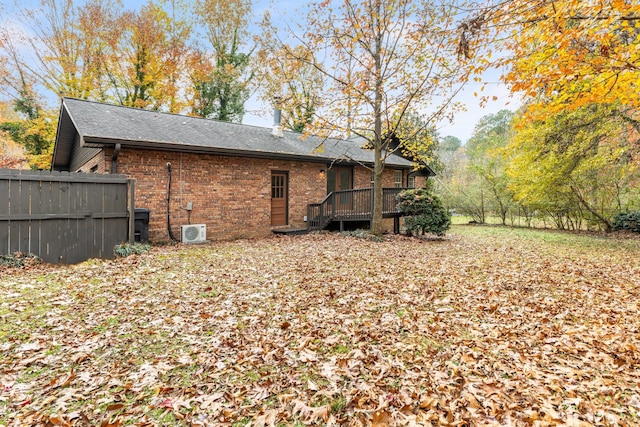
(350, 205)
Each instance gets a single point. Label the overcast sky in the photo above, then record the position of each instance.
(261, 115)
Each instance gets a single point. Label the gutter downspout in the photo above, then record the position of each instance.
(114, 159)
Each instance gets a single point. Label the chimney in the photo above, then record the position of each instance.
(277, 117)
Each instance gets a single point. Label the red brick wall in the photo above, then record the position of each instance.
(421, 181)
(231, 195)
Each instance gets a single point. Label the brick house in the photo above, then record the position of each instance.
(238, 180)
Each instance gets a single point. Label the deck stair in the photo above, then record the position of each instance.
(290, 231)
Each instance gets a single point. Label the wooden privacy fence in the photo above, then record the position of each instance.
(64, 217)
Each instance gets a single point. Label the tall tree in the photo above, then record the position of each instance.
(562, 54)
(222, 85)
(461, 189)
(577, 163)
(294, 86)
(89, 51)
(447, 148)
(145, 70)
(380, 60)
(65, 49)
(34, 131)
(491, 135)
(97, 51)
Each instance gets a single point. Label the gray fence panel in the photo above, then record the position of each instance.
(62, 217)
(35, 224)
(4, 212)
(116, 231)
(48, 228)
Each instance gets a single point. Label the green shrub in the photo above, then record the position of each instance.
(629, 221)
(424, 212)
(125, 249)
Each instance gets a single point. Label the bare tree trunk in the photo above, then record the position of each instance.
(376, 220)
(482, 215)
(604, 221)
(378, 165)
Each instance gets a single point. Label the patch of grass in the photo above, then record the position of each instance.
(211, 293)
(550, 240)
(340, 349)
(33, 373)
(184, 375)
(54, 350)
(313, 377)
(163, 416)
(252, 376)
(296, 423)
(338, 404)
(112, 322)
(432, 345)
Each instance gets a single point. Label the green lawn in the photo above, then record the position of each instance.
(489, 326)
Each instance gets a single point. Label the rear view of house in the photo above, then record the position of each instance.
(237, 180)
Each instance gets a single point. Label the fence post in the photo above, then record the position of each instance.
(132, 210)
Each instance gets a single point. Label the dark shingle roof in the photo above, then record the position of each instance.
(101, 125)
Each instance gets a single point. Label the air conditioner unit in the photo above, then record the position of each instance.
(193, 233)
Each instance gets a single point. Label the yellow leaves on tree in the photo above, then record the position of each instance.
(226, 21)
(43, 128)
(97, 51)
(290, 80)
(149, 59)
(564, 54)
(577, 160)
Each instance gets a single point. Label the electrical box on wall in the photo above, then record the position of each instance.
(189, 206)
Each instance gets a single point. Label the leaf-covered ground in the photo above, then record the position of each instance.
(487, 327)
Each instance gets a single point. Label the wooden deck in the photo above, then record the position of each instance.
(351, 205)
(289, 231)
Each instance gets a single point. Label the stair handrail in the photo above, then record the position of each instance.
(322, 219)
(324, 216)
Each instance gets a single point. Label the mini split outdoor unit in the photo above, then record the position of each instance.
(193, 233)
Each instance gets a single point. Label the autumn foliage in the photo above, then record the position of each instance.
(485, 327)
(562, 54)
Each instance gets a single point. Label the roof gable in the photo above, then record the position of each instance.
(102, 125)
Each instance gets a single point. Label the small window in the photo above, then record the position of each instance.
(373, 177)
(397, 178)
(278, 186)
(411, 181)
(93, 169)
